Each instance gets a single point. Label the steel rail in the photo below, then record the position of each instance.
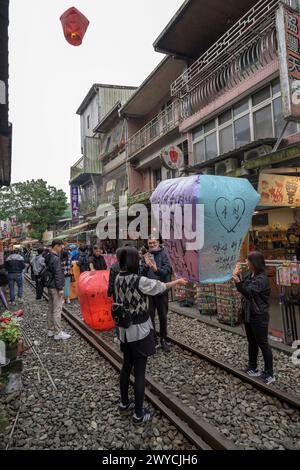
(198, 431)
(267, 389)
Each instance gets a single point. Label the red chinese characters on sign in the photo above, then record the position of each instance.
(276, 194)
(279, 190)
(288, 31)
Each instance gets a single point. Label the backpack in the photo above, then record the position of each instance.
(84, 262)
(46, 275)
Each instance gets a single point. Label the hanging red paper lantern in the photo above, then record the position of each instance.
(74, 25)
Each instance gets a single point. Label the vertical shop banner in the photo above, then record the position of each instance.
(278, 190)
(288, 35)
(5, 227)
(75, 204)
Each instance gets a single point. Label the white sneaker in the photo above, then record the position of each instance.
(62, 335)
(50, 333)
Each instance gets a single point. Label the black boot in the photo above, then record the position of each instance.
(165, 346)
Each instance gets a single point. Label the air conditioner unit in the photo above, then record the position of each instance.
(226, 166)
(207, 171)
(257, 152)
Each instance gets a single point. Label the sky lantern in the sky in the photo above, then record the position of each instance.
(74, 25)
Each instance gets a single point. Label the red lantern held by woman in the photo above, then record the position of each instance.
(74, 25)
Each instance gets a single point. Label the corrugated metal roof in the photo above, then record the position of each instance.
(94, 89)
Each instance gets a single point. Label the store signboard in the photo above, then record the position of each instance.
(279, 190)
(172, 157)
(75, 203)
(288, 34)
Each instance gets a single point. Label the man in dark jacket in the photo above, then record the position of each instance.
(15, 266)
(155, 265)
(114, 271)
(55, 287)
(83, 260)
(38, 264)
(97, 261)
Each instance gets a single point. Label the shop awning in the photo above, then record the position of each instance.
(76, 229)
(29, 241)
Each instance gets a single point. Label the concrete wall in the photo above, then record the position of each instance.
(93, 111)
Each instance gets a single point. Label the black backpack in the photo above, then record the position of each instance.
(84, 266)
(46, 275)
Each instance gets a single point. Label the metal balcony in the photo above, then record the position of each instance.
(243, 50)
(87, 207)
(89, 164)
(161, 125)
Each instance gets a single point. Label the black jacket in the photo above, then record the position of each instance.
(98, 262)
(83, 262)
(164, 269)
(54, 265)
(114, 271)
(256, 290)
(3, 278)
(15, 264)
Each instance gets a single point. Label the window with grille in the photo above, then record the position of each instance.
(258, 116)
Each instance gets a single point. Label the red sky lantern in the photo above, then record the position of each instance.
(74, 25)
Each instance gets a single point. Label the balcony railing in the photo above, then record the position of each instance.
(161, 125)
(77, 169)
(244, 49)
(89, 163)
(87, 207)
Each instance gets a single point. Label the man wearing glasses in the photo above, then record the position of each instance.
(155, 265)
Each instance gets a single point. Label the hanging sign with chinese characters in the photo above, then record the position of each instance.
(288, 34)
(278, 190)
(75, 203)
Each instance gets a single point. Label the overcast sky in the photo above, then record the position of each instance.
(49, 78)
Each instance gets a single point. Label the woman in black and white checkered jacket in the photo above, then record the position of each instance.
(137, 341)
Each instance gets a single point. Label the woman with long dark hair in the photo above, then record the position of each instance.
(66, 261)
(137, 341)
(256, 291)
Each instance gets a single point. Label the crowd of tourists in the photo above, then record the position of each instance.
(138, 283)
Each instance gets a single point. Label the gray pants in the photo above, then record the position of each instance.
(55, 310)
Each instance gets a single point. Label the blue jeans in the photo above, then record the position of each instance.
(67, 289)
(18, 278)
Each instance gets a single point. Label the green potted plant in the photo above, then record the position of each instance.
(10, 334)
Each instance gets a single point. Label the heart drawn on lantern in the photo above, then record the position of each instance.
(229, 213)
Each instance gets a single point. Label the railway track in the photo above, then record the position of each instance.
(267, 389)
(197, 430)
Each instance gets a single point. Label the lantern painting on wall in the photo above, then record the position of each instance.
(74, 25)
